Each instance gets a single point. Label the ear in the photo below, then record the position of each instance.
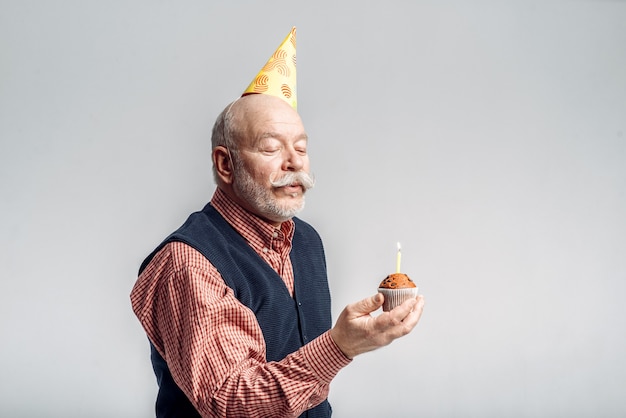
(223, 164)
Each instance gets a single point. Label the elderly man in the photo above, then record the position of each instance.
(236, 302)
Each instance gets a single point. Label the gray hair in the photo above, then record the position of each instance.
(223, 134)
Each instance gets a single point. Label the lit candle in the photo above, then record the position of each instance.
(398, 258)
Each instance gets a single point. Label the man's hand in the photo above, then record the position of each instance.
(357, 331)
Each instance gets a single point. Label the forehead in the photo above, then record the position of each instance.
(258, 117)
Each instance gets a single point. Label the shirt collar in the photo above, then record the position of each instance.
(258, 232)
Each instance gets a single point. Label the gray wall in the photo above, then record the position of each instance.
(489, 138)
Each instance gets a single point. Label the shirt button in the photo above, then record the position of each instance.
(265, 249)
(275, 234)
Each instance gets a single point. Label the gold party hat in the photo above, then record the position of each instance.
(278, 76)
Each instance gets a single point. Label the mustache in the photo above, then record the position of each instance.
(306, 180)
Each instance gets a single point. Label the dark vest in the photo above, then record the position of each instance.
(287, 322)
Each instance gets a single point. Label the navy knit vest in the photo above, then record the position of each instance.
(287, 322)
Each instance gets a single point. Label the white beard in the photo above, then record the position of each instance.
(261, 199)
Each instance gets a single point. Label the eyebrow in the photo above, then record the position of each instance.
(277, 135)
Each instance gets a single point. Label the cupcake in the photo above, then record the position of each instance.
(396, 288)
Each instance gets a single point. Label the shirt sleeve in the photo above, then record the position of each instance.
(214, 346)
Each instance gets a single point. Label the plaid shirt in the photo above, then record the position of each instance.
(214, 344)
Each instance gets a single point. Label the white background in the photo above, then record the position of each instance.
(489, 138)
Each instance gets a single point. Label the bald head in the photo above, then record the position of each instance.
(236, 119)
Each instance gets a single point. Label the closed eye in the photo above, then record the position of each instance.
(270, 151)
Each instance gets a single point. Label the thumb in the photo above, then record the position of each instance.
(370, 304)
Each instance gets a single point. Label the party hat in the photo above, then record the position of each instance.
(278, 76)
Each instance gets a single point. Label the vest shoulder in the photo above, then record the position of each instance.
(306, 231)
(304, 226)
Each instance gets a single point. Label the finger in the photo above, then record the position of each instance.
(402, 310)
(368, 305)
(413, 317)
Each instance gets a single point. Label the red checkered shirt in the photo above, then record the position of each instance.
(214, 344)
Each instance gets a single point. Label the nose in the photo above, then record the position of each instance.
(294, 160)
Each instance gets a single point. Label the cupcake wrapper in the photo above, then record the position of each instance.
(395, 297)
